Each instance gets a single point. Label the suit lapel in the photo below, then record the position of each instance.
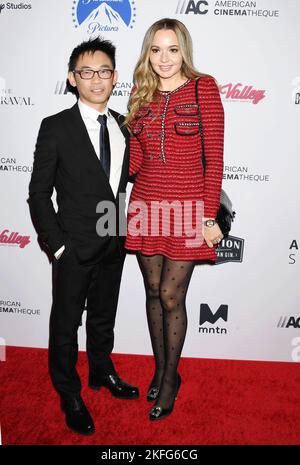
(125, 166)
(84, 145)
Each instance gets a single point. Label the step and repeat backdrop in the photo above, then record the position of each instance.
(246, 306)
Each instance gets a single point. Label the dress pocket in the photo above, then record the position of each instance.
(142, 113)
(188, 109)
(187, 129)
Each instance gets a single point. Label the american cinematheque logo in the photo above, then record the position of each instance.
(97, 16)
(13, 306)
(121, 89)
(289, 322)
(225, 8)
(10, 164)
(243, 173)
(294, 250)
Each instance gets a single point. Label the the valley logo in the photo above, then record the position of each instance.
(230, 249)
(233, 92)
(207, 316)
(97, 16)
(13, 238)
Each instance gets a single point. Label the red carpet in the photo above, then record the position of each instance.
(220, 402)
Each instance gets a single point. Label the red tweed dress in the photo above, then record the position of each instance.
(165, 155)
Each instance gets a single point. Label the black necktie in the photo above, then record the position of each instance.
(104, 144)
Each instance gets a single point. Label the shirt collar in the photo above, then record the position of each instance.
(90, 112)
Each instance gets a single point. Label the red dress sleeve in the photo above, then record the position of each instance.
(212, 114)
(135, 149)
(135, 155)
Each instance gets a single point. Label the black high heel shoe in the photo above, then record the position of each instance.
(152, 393)
(157, 412)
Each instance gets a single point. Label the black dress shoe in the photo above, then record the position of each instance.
(157, 412)
(78, 418)
(116, 385)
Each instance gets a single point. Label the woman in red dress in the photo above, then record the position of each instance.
(172, 209)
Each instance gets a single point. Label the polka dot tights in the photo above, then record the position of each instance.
(166, 284)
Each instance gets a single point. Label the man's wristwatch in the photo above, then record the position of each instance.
(209, 223)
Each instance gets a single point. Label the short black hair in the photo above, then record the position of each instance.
(92, 46)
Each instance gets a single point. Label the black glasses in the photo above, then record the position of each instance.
(104, 73)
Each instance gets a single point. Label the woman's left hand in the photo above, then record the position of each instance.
(212, 235)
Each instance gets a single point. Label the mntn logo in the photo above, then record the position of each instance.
(206, 315)
(197, 8)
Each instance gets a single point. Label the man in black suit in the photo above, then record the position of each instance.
(82, 152)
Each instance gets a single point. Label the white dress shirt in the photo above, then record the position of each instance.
(117, 145)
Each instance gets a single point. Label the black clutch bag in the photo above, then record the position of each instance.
(225, 214)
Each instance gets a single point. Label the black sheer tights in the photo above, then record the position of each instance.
(166, 283)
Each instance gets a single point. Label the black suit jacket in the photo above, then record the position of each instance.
(65, 159)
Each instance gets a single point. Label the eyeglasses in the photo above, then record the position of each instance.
(104, 73)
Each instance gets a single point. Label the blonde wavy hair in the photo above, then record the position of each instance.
(145, 80)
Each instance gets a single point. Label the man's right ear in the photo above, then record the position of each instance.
(71, 79)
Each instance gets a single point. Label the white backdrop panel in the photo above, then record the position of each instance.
(258, 50)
